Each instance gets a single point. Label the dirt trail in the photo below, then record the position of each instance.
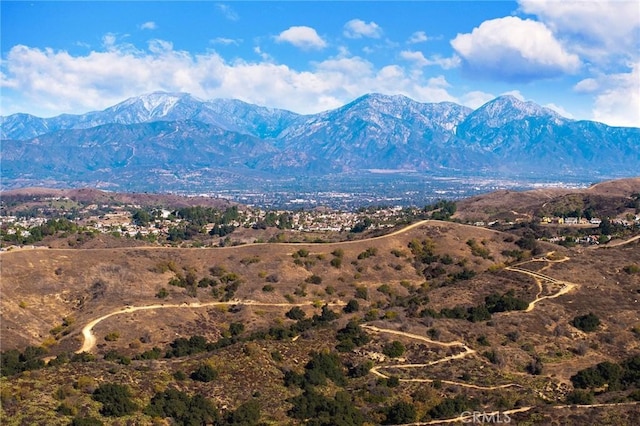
(468, 416)
(538, 277)
(620, 243)
(393, 234)
(467, 351)
(90, 339)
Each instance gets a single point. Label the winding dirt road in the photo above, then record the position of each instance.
(296, 244)
(538, 277)
(468, 418)
(90, 339)
(620, 243)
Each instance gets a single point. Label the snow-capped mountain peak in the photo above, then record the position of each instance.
(508, 108)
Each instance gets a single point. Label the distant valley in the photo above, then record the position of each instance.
(174, 142)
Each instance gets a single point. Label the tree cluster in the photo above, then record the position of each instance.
(116, 400)
(14, 361)
(612, 375)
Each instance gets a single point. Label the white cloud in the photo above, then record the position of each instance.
(514, 49)
(606, 34)
(226, 41)
(357, 28)
(515, 93)
(150, 25)
(160, 46)
(418, 37)
(113, 41)
(476, 98)
(228, 12)
(416, 57)
(420, 60)
(109, 41)
(596, 28)
(263, 55)
(617, 101)
(560, 110)
(303, 37)
(48, 82)
(588, 85)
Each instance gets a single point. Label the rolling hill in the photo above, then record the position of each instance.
(433, 315)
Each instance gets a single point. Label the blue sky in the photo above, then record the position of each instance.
(581, 58)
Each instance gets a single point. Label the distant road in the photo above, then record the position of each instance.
(621, 243)
(392, 234)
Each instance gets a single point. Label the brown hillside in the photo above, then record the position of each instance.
(57, 283)
(90, 195)
(511, 205)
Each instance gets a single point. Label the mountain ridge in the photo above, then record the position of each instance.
(176, 133)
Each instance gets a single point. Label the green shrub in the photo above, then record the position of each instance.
(400, 413)
(362, 293)
(506, 302)
(337, 410)
(482, 340)
(451, 407)
(478, 250)
(314, 279)
(85, 421)
(295, 313)
(351, 306)
(339, 253)
(586, 323)
(351, 336)
(301, 253)
(116, 400)
(371, 251)
(204, 373)
(248, 413)
(394, 349)
(112, 337)
(580, 397)
(594, 377)
(323, 366)
(360, 370)
(182, 408)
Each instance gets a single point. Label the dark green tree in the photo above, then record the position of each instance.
(393, 349)
(295, 313)
(116, 400)
(586, 323)
(204, 373)
(400, 413)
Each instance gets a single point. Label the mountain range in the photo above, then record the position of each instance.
(175, 137)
